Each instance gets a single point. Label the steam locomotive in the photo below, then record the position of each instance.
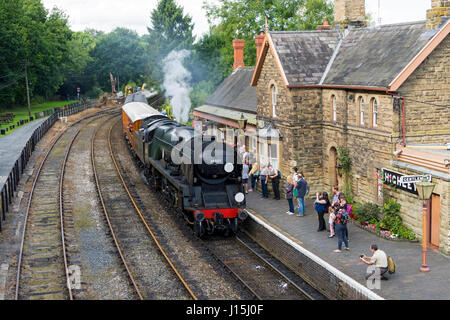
(197, 175)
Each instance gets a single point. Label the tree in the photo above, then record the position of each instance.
(244, 19)
(29, 33)
(170, 30)
(120, 52)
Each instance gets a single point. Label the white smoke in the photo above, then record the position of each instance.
(176, 84)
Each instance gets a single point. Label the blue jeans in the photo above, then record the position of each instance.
(253, 180)
(301, 206)
(291, 205)
(265, 190)
(341, 230)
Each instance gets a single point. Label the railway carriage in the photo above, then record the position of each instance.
(195, 173)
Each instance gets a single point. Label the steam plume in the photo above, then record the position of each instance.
(176, 83)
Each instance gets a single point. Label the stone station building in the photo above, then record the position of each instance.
(380, 92)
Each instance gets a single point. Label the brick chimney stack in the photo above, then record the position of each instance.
(350, 13)
(325, 26)
(438, 14)
(238, 46)
(259, 41)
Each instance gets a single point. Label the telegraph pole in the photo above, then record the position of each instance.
(28, 90)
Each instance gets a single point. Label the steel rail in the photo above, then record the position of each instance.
(30, 197)
(229, 269)
(169, 261)
(274, 269)
(61, 211)
(105, 210)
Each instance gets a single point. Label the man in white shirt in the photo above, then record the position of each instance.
(379, 259)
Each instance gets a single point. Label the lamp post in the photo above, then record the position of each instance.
(424, 189)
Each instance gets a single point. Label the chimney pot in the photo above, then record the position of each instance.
(238, 46)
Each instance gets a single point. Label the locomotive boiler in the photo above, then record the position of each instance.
(195, 173)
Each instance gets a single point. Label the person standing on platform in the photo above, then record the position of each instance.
(254, 174)
(275, 178)
(332, 215)
(322, 205)
(289, 194)
(340, 225)
(245, 170)
(302, 188)
(264, 176)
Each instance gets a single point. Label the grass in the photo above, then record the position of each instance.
(21, 112)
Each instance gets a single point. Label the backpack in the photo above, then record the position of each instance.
(349, 210)
(307, 189)
(342, 217)
(391, 265)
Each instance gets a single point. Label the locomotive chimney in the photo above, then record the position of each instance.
(259, 41)
(238, 46)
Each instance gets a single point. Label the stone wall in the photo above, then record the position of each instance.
(411, 206)
(297, 120)
(429, 83)
(347, 12)
(439, 9)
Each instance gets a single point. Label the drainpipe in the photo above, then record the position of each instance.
(403, 115)
(403, 121)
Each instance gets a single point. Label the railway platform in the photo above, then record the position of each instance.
(408, 283)
(11, 147)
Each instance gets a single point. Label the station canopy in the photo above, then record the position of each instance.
(139, 111)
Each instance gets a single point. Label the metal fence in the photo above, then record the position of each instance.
(12, 181)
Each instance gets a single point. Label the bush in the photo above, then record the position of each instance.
(393, 222)
(368, 212)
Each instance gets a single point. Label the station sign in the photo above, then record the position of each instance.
(403, 182)
(414, 179)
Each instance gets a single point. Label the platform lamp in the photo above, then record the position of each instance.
(242, 122)
(424, 189)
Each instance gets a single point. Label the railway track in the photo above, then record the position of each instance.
(43, 270)
(262, 280)
(257, 274)
(153, 274)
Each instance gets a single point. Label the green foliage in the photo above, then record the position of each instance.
(30, 33)
(393, 221)
(344, 160)
(368, 212)
(170, 30)
(387, 218)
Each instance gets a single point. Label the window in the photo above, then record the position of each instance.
(274, 101)
(361, 111)
(374, 112)
(268, 154)
(334, 108)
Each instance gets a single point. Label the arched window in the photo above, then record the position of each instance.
(334, 107)
(274, 100)
(361, 111)
(374, 112)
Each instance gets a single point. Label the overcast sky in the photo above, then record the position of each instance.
(106, 15)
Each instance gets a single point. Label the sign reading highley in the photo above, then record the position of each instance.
(400, 181)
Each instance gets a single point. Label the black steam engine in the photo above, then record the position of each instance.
(195, 173)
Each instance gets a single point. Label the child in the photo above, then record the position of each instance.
(331, 220)
(289, 195)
